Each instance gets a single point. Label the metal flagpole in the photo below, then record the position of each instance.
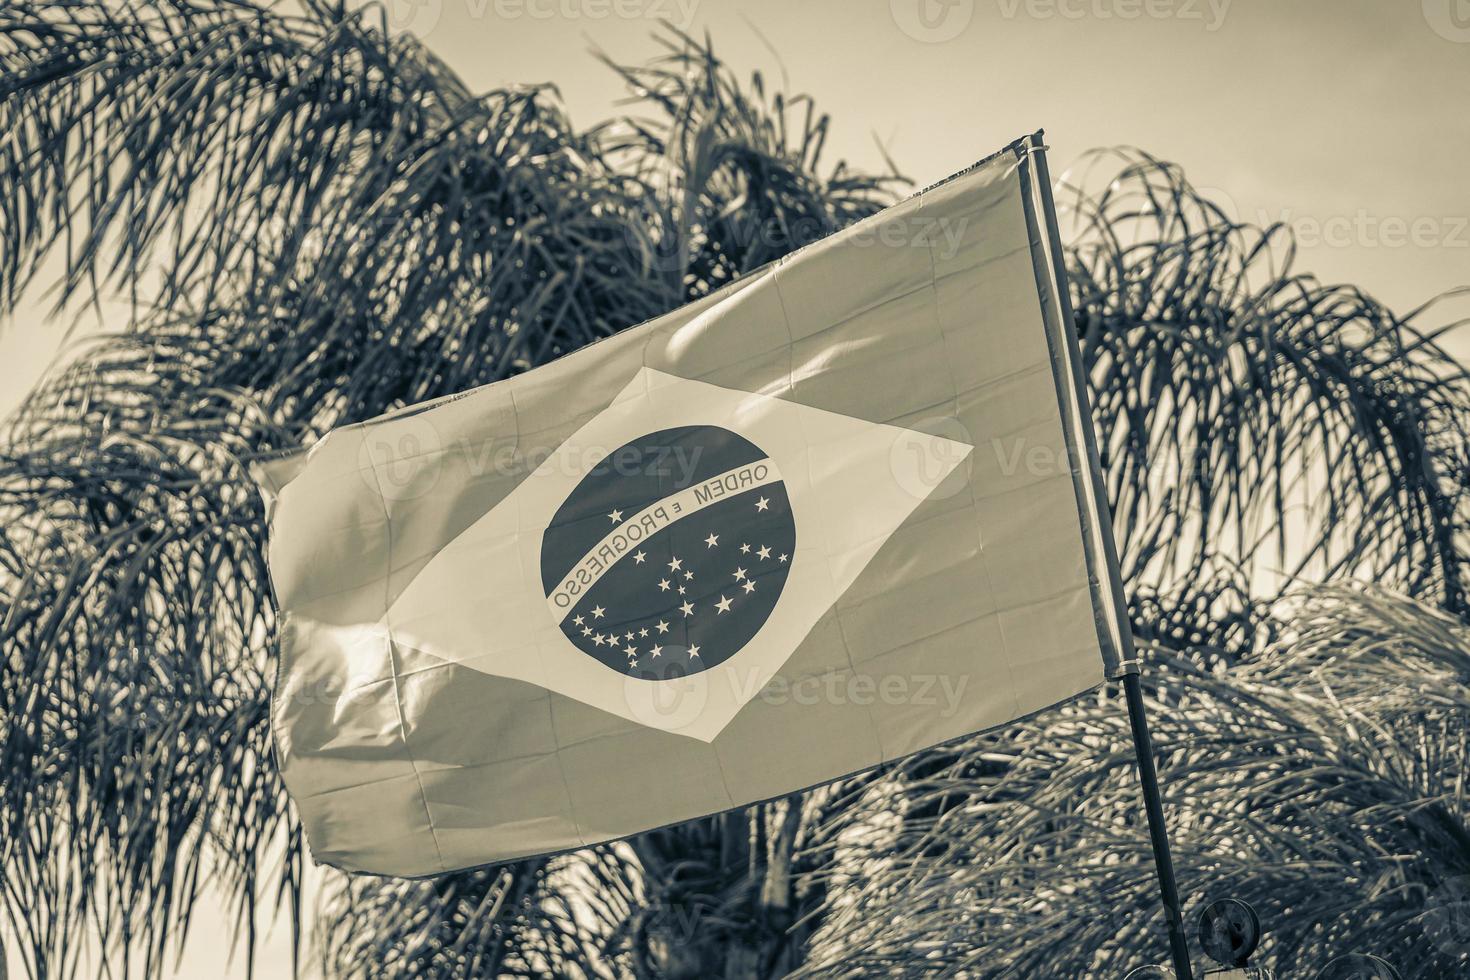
(1158, 833)
(1153, 802)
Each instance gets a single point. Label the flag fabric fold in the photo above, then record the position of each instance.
(836, 512)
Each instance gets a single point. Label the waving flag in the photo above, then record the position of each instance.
(838, 511)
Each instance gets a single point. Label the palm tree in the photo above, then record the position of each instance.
(315, 221)
(1321, 780)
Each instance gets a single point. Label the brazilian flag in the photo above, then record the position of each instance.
(844, 509)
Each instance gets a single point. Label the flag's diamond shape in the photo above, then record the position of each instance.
(673, 553)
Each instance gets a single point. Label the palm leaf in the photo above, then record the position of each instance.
(1320, 781)
(373, 236)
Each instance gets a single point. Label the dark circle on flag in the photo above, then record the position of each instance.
(684, 592)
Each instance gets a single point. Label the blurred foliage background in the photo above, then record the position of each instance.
(315, 221)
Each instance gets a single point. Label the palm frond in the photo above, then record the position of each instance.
(1250, 417)
(1320, 782)
(217, 138)
(737, 170)
(134, 690)
(368, 235)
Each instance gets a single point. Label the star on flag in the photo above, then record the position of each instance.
(633, 624)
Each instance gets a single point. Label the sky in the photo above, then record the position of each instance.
(1344, 118)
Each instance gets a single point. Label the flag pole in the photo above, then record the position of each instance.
(1158, 833)
(1153, 802)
